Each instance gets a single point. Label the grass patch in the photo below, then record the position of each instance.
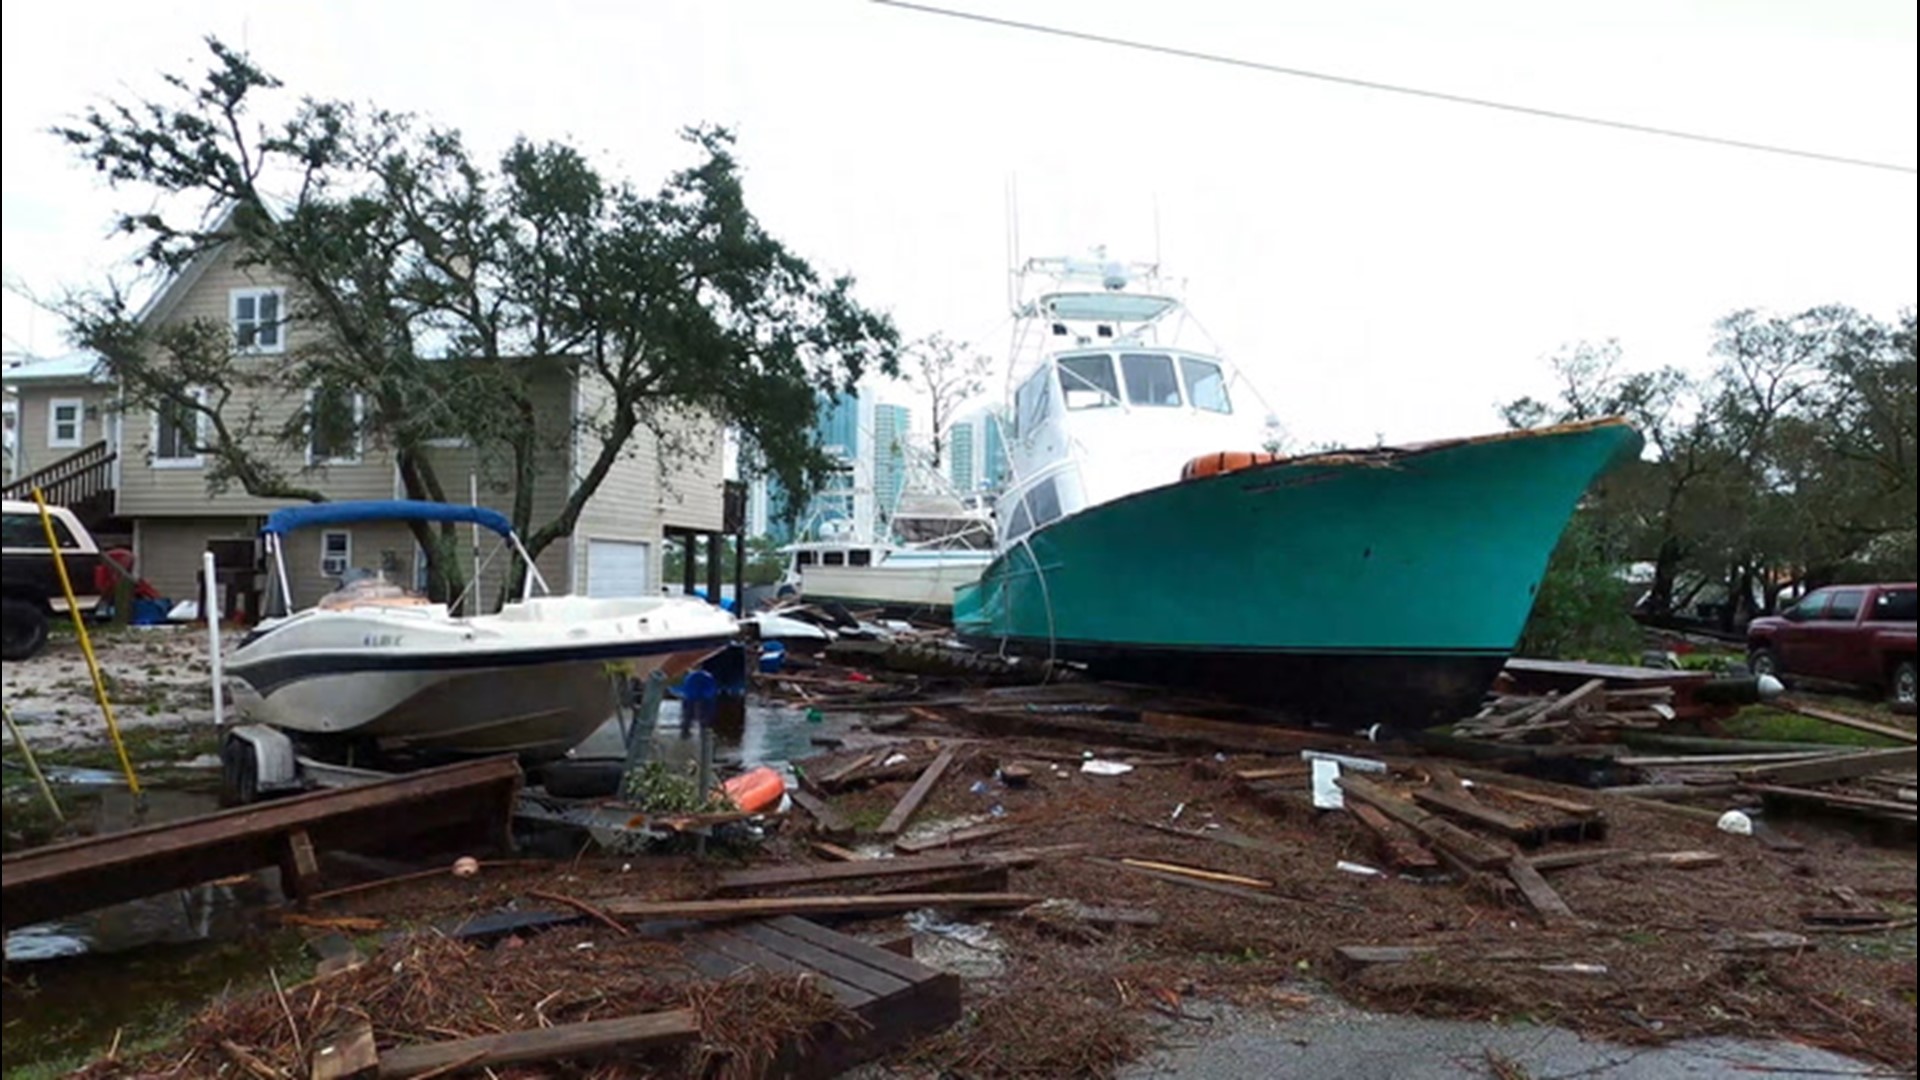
(1768, 724)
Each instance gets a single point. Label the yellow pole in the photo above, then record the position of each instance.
(86, 644)
(33, 764)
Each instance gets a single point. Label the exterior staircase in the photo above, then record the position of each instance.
(82, 481)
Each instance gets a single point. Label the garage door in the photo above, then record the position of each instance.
(618, 567)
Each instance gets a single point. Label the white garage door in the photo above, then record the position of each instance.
(618, 567)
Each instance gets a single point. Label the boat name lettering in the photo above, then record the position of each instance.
(380, 641)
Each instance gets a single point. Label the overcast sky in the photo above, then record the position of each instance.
(1379, 264)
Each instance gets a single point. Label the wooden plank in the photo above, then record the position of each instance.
(954, 838)
(909, 803)
(843, 968)
(1221, 835)
(1467, 808)
(351, 1056)
(835, 852)
(1567, 860)
(1360, 957)
(1836, 800)
(473, 798)
(1399, 848)
(299, 866)
(1828, 770)
(1471, 850)
(745, 952)
(874, 956)
(1253, 895)
(771, 877)
(1278, 772)
(1552, 802)
(834, 777)
(640, 910)
(1199, 872)
(1545, 901)
(1898, 734)
(980, 880)
(831, 821)
(592, 1038)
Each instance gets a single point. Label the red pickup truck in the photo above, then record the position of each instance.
(1858, 634)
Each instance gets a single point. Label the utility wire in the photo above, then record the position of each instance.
(1368, 84)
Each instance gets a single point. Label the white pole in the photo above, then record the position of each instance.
(210, 606)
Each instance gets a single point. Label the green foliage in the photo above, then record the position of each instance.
(1792, 463)
(1580, 610)
(659, 788)
(446, 292)
(1768, 724)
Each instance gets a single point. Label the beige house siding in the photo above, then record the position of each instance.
(693, 479)
(147, 489)
(167, 551)
(36, 403)
(626, 508)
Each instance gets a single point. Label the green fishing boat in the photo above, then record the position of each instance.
(1143, 538)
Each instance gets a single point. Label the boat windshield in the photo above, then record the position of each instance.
(1150, 380)
(1206, 385)
(1087, 382)
(362, 587)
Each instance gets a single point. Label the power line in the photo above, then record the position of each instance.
(1391, 88)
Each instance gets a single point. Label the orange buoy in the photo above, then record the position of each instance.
(1225, 461)
(756, 790)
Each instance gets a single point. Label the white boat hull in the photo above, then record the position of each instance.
(534, 680)
(903, 581)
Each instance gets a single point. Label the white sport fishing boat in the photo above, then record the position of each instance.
(378, 667)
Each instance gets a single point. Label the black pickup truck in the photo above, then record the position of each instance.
(30, 592)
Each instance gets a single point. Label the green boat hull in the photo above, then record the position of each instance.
(1368, 587)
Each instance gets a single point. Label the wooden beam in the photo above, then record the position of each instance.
(835, 852)
(1398, 846)
(831, 821)
(1827, 770)
(476, 798)
(1552, 802)
(955, 838)
(1354, 958)
(777, 877)
(1545, 901)
(1198, 872)
(909, 803)
(1256, 896)
(592, 1038)
(1898, 734)
(1463, 806)
(1469, 849)
(641, 910)
(1836, 800)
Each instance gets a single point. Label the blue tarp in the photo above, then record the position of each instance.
(346, 513)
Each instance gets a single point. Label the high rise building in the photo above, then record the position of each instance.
(849, 429)
(977, 453)
(963, 458)
(892, 427)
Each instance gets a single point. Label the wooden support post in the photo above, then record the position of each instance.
(299, 866)
(714, 562)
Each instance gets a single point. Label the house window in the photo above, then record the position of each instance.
(178, 427)
(65, 417)
(333, 426)
(259, 320)
(336, 553)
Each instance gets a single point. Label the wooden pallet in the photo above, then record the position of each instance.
(898, 999)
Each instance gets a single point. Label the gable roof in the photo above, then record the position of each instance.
(168, 297)
(74, 367)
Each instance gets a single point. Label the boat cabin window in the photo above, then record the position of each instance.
(805, 558)
(1043, 504)
(833, 558)
(860, 557)
(1022, 522)
(1206, 385)
(1088, 382)
(1150, 379)
(1031, 401)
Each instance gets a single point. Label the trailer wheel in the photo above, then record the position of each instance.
(1761, 661)
(23, 629)
(239, 773)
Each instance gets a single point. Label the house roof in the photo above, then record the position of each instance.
(74, 367)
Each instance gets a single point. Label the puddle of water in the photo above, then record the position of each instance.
(773, 734)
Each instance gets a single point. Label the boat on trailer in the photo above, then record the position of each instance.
(379, 673)
(1147, 536)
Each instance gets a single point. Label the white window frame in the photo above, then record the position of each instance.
(279, 324)
(73, 442)
(346, 557)
(359, 433)
(199, 394)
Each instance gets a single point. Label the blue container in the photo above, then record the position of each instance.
(773, 656)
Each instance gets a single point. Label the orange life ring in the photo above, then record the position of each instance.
(1225, 461)
(756, 790)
